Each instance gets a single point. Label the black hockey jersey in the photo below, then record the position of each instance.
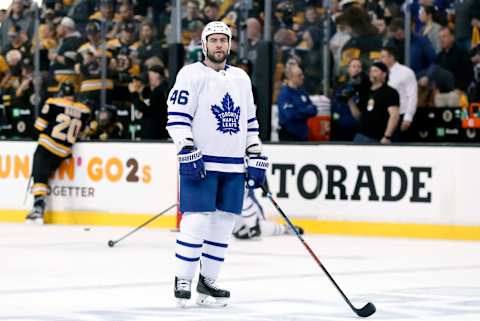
(60, 122)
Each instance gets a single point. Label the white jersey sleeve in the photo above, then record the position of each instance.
(182, 103)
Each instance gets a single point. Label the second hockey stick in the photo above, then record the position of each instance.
(365, 311)
(112, 243)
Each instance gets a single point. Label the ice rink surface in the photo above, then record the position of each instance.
(68, 273)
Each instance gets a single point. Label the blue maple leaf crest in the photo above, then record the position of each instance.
(228, 116)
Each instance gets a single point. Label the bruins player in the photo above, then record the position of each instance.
(60, 122)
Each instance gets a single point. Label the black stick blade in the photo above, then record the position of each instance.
(366, 311)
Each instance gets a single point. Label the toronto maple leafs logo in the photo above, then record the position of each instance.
(227, 115)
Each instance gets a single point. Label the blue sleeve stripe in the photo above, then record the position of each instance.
(178, 123)
(251, 120)
(174, 113)
(253, 129)
(215, 244)
(216, 258)
(223, 160)
(189, 244)
(188, 259)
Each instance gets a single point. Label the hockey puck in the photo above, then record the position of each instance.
(111, 243)
(86, 229)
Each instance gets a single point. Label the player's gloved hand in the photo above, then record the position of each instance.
(256, 169)
(191, 163)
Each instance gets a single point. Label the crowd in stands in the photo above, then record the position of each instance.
(444, 57)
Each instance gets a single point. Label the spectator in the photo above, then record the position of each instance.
(148, 46)
(63, 58)
(379, 118)
(467, 13)
(105, 125)
(339, 39)
(151, 101)
(211, 11)
(18, 18)
(430, 28)
(381, 26)
(474, 88)
(126, 41)
(17, 40)
(25, 91)
(106, 15)
(357, 86)
(254, 35)
(422, 54)
(194, 48)
(126, 15)
(193, 13)
(455, 59)
(294, 107)
(365, 43)
(403, 80)
(311, 54)
(89, 65)
(312, 19)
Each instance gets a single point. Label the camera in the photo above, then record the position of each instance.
(350, 88)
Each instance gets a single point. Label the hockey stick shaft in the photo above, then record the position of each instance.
(112, 243)
(368, 309)
(27, 189)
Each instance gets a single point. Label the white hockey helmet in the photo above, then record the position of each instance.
(216, 27)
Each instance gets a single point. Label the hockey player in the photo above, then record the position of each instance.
(211, 119)
(252, 224)
(60, 122)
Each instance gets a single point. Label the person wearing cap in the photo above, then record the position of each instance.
(89, 65)
(212, 121)
(63, 59)
(378, 119)
(126, 39)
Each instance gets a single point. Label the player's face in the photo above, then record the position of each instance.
(217, 48)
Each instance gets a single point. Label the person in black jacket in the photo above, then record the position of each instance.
(151, 102)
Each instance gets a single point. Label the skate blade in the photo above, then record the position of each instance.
(37, 221)
(181, 303)
(211, 302)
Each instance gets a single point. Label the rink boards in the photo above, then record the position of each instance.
(406, 191)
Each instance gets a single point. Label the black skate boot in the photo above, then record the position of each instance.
(36, 214)
(210, 295)
(248, 233)
(182, 291)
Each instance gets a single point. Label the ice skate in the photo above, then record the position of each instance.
(248, 233)
(209, 295)
(35, 215)
(182, 291)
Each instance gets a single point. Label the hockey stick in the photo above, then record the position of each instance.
(27, 190)
(368, 309)
(112, 243)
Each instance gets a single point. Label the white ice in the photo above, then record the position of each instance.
(68, 273)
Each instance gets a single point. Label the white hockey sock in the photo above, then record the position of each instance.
(216, 243)
(269, 228)
(189, 243)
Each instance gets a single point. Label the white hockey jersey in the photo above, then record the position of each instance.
(216, 110)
